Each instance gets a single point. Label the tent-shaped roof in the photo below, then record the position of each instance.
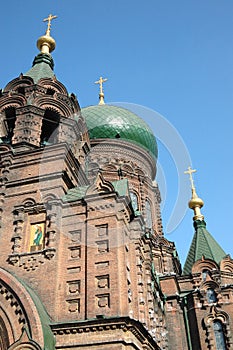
(203, 244)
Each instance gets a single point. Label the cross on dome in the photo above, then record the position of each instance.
(49, 19)
(190, 171)
(101, 93)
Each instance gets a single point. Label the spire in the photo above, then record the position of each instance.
(195, 202)
(203, 244)
(43, 64)
(46, 43)
(101, 93)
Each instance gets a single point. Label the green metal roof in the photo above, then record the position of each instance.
(75, 193)
(49, 338)
(203, 244)
(107, 121)
(120, 186)
(42, 67)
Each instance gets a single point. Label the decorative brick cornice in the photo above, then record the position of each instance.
(125, 324)
(126, 150)
(32, 260)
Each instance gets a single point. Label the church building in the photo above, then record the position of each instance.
(84, 262)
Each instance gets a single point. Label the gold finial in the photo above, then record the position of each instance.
(101, 93)
(46, 43)
(195, 202)
(49, 19)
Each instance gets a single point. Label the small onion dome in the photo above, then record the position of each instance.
(195, 201)
(46, 44)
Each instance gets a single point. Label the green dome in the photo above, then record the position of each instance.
(111, 122)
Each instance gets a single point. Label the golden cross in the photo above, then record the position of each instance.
(49, 19)
(101, 81)
(190, 171)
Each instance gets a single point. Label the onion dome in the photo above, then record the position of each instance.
(112, 122)
(195, 202)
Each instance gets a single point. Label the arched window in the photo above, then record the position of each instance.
(205, 273)
(219, 335)
(211, 296)
(148, 215)
(134, 201)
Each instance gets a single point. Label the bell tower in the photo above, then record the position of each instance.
(36, 109)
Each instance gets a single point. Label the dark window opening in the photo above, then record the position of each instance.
(50, 92)
(10, 115)
(21, 90)
(49, 127)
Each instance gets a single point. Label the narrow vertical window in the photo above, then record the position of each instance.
(211, 296)
(205, 274)
(148, 215)
(134, 201)
(219, 336)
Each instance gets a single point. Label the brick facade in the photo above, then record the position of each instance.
(102, 274)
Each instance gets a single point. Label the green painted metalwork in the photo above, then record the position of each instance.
(107, 121)
(49, 339)
(203, 244)
(76, 193)
(121, 187)
(42, 67)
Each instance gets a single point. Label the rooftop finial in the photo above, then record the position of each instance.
(46, 43)
(49, 19)
(190, 171)
(195, 202)
(101, 93)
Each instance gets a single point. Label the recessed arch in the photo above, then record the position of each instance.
(49, 102)
(20, 81)
(18, 310)
(53, 84)
(28, 202)
(217, 321)
(204, 264)
(226, 264)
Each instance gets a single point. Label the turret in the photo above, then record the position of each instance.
(203, 244)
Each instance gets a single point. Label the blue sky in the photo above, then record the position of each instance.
(172, 56)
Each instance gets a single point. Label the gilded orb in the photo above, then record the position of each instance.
(196, 202)
(46, 44)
